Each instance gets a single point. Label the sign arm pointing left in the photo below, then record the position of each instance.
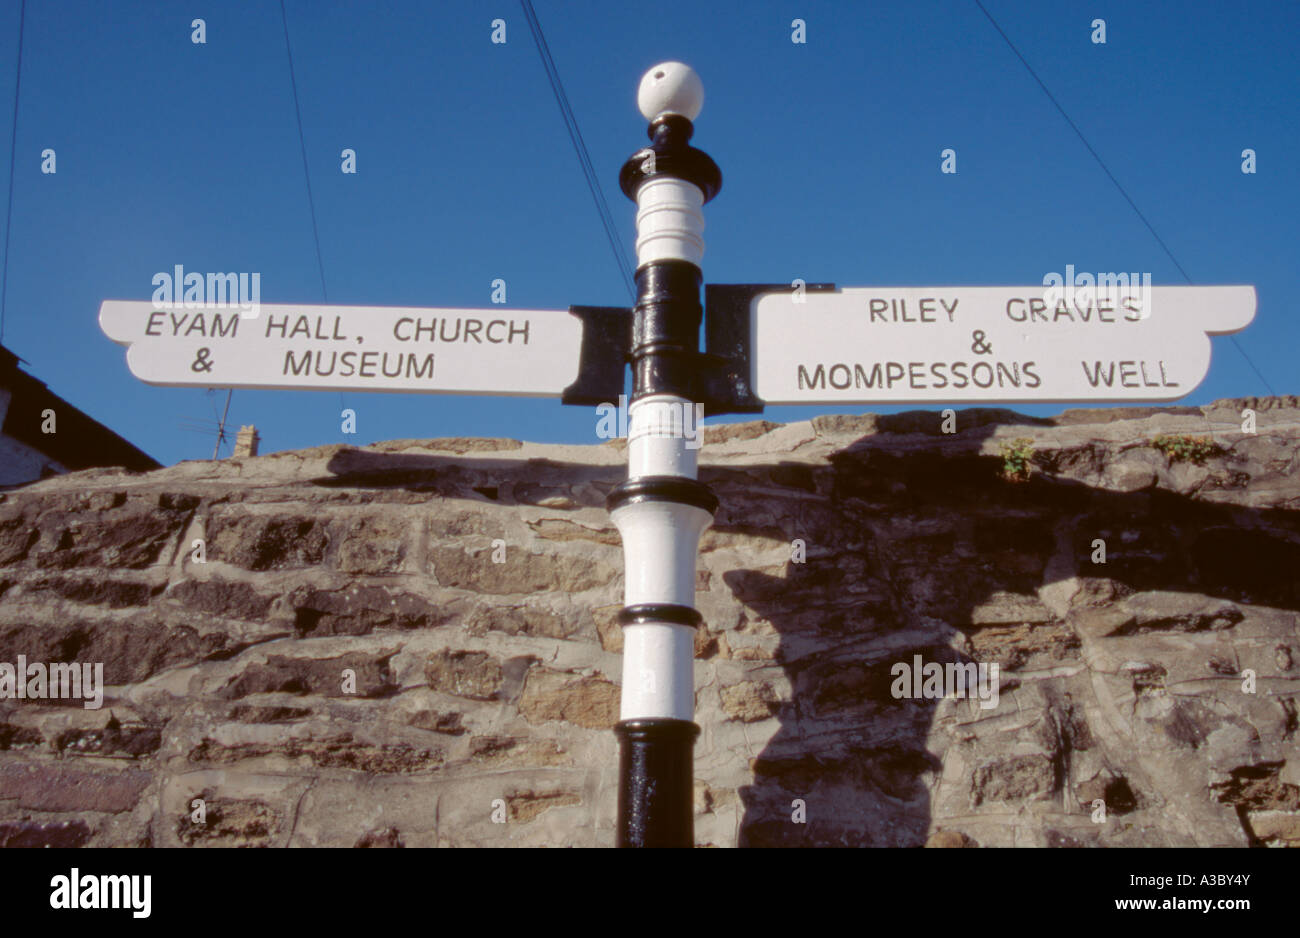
(577, 354)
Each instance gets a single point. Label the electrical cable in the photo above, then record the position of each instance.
(579, 146)
(13, 143)
(1102, 163)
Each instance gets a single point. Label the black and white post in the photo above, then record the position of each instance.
(662, 509)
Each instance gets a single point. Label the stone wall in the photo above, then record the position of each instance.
(349, 664)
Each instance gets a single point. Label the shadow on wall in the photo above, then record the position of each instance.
(919, 546)
(918, 551)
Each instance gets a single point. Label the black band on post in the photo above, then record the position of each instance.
(678, 489)
(670, 136)
(656, 789)
(660, 612)
(666, 329)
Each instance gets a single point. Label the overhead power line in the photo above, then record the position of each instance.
(306, 171)
(13, 143)
(579, 147)
(1111, 176)
(302, 145)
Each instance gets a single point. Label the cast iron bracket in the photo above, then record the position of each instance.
(728, 345)
(602, 365)
(722, 375)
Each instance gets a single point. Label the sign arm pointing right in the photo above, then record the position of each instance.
(902, 345)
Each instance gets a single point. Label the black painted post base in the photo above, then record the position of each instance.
(656, 789)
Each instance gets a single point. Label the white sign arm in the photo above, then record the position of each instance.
(524, 353)
(988, 344)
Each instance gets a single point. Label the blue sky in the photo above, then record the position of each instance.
(174, 153)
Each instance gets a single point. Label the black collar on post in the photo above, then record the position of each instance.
(670, 136)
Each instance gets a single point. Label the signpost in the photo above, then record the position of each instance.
(764, 344)
(1007, 344)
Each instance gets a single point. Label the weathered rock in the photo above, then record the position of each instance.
(448, 722)
(472, 674)
(96, 591)
(35, 834)
(375, 545)
(130, 650)
(20, 737)
(1115, 793)
(527, 805)
(51, 787)
(267, 542)
(509, 750)
(748, 701)
(341, 752)
(1020, 778)
(357, 610)
(250, 713)
(1276, 828)
(221, 597)
(522, 571)
(522, 620)
(114, 740)
(328, 677)
(230, 824)
(117, 533)
(590, 702)
(388, 837)
(1186, 612)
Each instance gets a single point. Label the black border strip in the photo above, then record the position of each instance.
(678, 489)
(672, 613)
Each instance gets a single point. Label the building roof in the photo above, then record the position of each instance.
(81, 442)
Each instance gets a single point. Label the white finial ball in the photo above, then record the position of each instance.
(670, 88)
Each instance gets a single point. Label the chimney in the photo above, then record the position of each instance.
(246, 442)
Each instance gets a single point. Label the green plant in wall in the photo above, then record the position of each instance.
(1017, 457)
(1183, 448)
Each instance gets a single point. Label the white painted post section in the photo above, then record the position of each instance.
(669, 221)
(661, 539)
(660, 542)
